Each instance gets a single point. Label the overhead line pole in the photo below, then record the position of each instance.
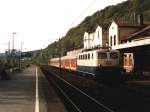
(13, 40)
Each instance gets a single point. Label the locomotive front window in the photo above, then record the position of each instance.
(102, 55)
(113, 55)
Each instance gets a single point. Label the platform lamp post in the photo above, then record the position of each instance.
(59, 54)
(13, 50)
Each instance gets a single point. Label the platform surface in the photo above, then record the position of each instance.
(19, 93)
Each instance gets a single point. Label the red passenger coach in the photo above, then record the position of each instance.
(54, 62)
(67, 62)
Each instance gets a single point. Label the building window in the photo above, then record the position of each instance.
(88, 56)
(98, 34)
(92, 55)
(115, 40)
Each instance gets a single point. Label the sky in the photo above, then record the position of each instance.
(38, 23)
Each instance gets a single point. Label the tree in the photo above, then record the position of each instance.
(137, 6)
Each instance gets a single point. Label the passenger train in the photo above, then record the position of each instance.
(98, 62)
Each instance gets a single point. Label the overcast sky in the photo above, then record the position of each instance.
(41, 22)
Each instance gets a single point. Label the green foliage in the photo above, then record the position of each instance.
(74, 37)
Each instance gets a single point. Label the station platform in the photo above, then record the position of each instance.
(19, 94)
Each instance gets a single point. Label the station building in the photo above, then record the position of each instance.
(132, 40)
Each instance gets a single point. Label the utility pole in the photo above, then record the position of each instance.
(8, 48)
(13, 53)
(59, 54)
(13, 40)
(20, 55)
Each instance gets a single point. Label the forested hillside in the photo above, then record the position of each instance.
(74, 37)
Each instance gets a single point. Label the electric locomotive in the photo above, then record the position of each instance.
(100, 62)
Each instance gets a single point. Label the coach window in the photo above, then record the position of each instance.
(89, 56)
(102, 55)
(85, 56)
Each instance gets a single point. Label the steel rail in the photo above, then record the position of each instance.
(65, 95)
(93, 99)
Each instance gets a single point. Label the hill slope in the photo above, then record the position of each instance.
(74, 37)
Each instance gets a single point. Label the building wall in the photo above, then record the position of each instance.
(113, 34)
(85, 40)
(97, 41)
(88, 40)
(125, 31)
(105, 37)
(91, 37)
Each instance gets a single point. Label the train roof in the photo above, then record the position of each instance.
(64, 57)
(54, 59)
(69, 57)
(96, 50)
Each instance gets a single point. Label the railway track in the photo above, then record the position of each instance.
(77, 99)
(118, 97)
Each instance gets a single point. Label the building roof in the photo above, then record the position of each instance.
(92, 29)
(124, 23)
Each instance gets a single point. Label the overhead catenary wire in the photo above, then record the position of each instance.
(82, 13)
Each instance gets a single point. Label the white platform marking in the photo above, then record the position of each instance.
(36, 92)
